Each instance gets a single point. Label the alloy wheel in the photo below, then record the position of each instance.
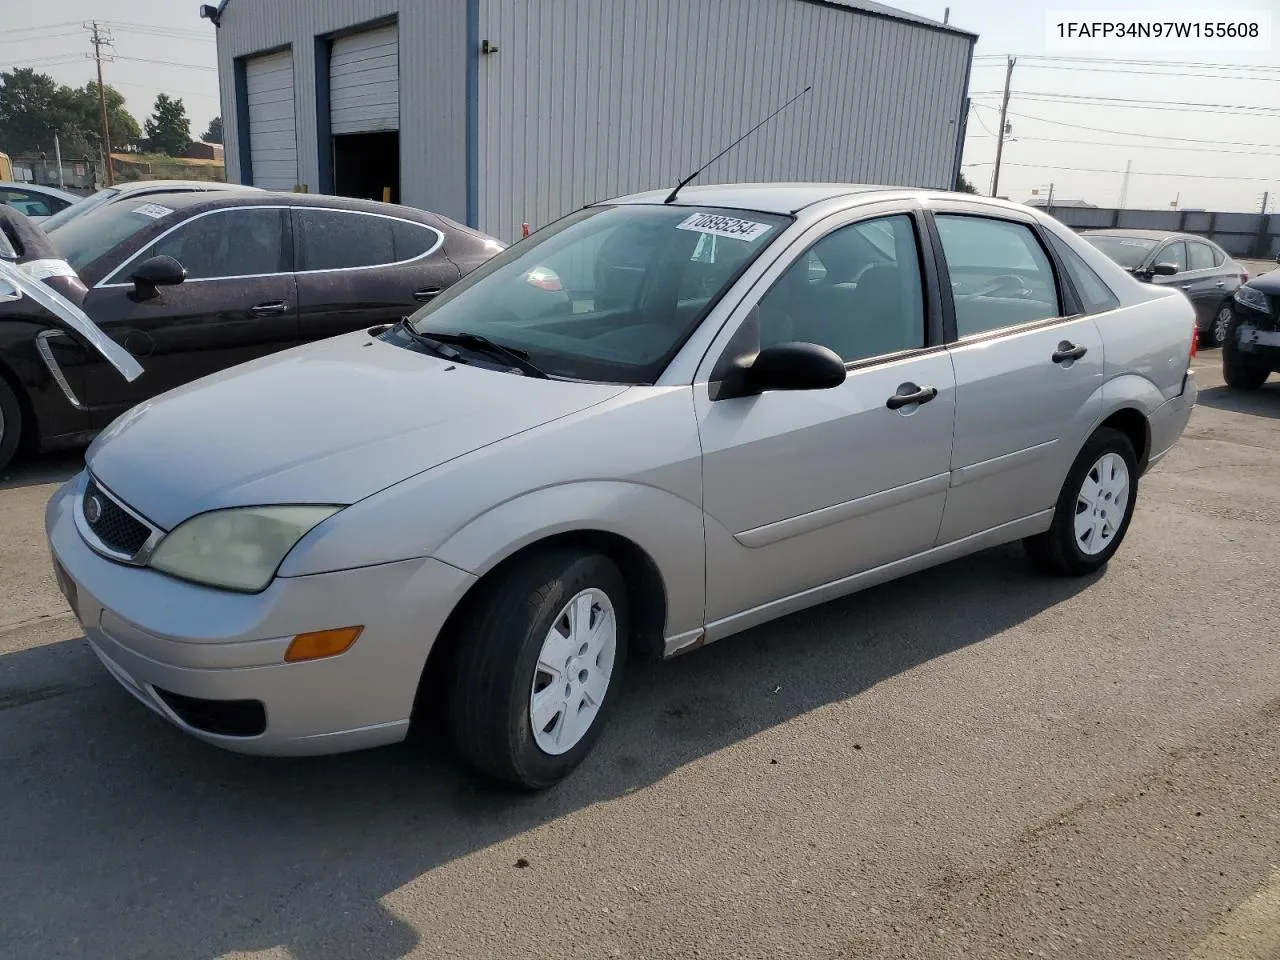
(1220, 324)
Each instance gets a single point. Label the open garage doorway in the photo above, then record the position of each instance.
(366, 165)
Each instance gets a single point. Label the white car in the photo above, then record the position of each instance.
(488, 504)
(35, 201)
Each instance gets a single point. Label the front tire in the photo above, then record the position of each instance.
(1093, 510)
(539, 662)
(10, 424)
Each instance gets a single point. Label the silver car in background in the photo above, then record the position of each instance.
(646, 427)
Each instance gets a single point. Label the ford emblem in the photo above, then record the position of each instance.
(93, 509)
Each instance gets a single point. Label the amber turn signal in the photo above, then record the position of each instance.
(321, 643)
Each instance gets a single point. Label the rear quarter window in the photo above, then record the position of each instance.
(346, 240)
(1095, 296)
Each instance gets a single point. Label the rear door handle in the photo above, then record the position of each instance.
(1068, 351)
(1221, 283)
(272, 308)
(430, 293)
(920, 395)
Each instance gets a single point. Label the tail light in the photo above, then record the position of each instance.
(1195, 342)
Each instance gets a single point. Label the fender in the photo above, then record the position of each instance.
(666, 527)
(1129, 390)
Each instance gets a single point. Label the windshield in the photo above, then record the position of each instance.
(77, 209)
(1129, 252)
(84, 239)
(608, 293)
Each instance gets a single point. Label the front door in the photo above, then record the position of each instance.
(1028, 378)
(238, 302)
(358, 269)
(802, 488)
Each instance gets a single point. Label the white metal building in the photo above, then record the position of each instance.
(499, 112)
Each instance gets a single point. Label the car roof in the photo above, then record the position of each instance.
(1145, 234)
(139, 186)
(41, 188)
(784, 198)
(196, 201)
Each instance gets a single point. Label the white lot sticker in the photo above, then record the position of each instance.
(724, 226)
(152, 210)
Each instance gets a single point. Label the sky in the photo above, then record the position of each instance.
(1208, 137)
(160, 46)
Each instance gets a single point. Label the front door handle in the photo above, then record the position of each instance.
(272, 308)
(1221, 283)
(915, 395)
(1068, 351)
(430, 293)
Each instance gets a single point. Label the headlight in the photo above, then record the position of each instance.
(238, 549)
(1253, 298)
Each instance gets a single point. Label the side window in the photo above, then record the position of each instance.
(1200, 256)
(1093, 291)
(1175, 253)
(242, 242)
(858, 290)
(337, 240)
(410, 240)
(29, 203)
(1000, 275)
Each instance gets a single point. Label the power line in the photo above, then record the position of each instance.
(41, 39)
(166, 32)
(1147, 146)
(1124, 133)
(168, 89)
(1151, 73)
(9, 31)
(1140, 63)
(166, 63)
(1137, 173)
(49, 61)
(1123, 103)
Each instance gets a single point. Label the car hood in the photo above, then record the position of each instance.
(1268, 283)
(331, 422)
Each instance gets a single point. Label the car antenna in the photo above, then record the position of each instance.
(671, 197)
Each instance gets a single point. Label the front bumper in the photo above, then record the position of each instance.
(161, 637)
(1260, 345)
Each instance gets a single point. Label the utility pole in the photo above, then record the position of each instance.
(1124, 184)
(99, 40)
(1266, 195)
(1049, 202)
(1004, 110)
(57, 156)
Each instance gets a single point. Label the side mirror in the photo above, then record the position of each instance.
(161, 271)
(794, 366)
(1163, 270)
(9, 293)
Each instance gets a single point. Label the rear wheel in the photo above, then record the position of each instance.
(1093, 510)
(1216, 334)
(1237, 369)
(539, 662)
(10, 424)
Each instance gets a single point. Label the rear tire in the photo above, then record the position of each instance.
(1093, 510)
(10, 424)
(1237, 370)
(536, 642)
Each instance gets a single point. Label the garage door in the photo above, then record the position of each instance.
(364, 82)
(273, 137)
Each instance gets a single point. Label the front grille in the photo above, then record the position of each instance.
(114, 526)
(230, 718)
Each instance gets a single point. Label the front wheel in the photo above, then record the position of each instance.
(1093, 510)
(539, 662)
(10, 424)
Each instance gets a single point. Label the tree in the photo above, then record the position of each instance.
(963, 185)
(168, 128)
(33, 106)
(214, 133)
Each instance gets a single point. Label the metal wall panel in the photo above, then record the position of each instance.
(273, 138)
(585, 100)
(433, 171)
(364, 81)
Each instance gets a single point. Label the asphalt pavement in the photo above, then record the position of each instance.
(975, 761)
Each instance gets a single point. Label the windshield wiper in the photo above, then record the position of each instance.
(516, 357)
(435, 346)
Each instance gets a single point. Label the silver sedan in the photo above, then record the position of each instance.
(644, 428)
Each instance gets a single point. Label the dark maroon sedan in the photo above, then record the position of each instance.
(192, 283)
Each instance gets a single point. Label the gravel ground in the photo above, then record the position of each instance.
(975, 761)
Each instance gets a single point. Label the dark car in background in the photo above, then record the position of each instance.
(191, 283)
(1202, 269)
(1251, 352)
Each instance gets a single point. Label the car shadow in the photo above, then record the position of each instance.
(31, 470)
(127, 838)
(1263, 402)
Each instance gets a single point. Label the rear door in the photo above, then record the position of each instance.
(1028, 368)
(357, 269)
(1206, 281)
(238, 302)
